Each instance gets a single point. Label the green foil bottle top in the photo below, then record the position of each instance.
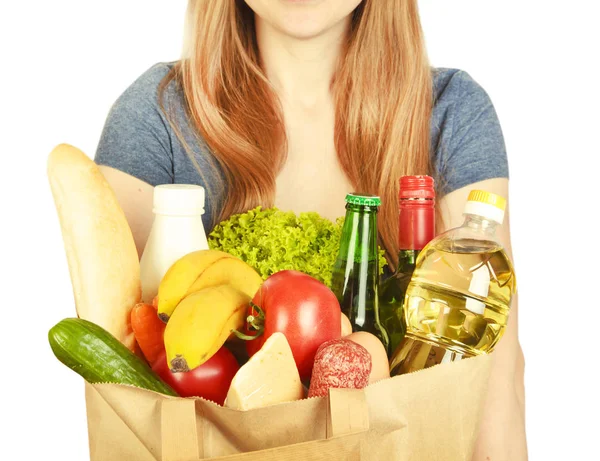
(363, 200)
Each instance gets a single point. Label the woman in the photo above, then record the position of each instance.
(294, 103)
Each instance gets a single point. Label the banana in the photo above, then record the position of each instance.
(201, 324)
(229, 271)
(181, 276)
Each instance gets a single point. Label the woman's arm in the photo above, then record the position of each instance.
(502, 430)
(135, 150)
(135, 197)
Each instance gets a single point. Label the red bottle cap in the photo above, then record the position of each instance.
(417, 212)
(416, 187)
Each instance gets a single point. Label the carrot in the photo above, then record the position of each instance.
(148, 330)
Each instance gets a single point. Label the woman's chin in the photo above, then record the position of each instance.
(307, 26)
(304, 19)
(304, 30)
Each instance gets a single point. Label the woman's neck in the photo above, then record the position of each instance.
(301, 70)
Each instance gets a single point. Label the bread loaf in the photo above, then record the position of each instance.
(101, 253)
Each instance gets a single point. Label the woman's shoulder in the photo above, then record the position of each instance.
(466, 135)
(136, 137)
(452, 85)
(144, 90)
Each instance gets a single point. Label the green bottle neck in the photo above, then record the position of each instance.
(407, 257)
(359, 234)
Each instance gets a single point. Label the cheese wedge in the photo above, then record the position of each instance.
(269, 377)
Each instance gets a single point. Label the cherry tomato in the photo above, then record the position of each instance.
(210, 380)
(305, 310)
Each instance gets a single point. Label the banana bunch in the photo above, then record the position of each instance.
(203, 297)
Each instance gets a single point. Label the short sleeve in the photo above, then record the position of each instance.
(475, 150)
(136, 137)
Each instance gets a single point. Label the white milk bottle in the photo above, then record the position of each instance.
(177, 230)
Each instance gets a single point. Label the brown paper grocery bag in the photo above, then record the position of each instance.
(428, 415)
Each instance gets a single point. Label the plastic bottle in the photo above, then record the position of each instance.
(458, 300)
(177, 230)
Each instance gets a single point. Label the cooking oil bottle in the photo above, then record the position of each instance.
(457, 303)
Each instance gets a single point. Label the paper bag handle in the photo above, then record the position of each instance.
(348, 412)
(179, 433)
(347, 417)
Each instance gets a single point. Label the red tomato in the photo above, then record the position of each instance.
(210, 380)
(302, 308)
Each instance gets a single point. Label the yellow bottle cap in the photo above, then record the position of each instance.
(488, 198)
(486, 205)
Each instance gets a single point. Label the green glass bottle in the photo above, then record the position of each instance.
(416, 228)
(355, 279)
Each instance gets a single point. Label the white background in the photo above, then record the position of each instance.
(64, 62)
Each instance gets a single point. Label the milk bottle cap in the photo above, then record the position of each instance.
(179, 200)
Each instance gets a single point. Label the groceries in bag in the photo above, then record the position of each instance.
(457, 303)
(122, 416)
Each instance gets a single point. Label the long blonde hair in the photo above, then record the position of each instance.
(382, 92)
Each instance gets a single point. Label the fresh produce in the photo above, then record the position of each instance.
(210, 380)
(300, 307)
(203, 269)
(294, 330)
(340, 364)
(101, 252)
(271, 240)
(380, 366)
(148, 330)
(99, 357)
(269, 377)
(202, 323)
(346, 325)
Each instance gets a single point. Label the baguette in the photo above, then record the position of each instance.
(101, 253)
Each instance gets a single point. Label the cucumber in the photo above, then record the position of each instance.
(99, 357)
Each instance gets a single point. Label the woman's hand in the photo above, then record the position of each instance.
(502, 431)
(136, 198)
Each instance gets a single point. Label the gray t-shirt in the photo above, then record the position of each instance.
(466, 139)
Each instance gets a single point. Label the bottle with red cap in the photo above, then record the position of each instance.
(416, 229)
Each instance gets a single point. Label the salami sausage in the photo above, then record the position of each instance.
(340, 363)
